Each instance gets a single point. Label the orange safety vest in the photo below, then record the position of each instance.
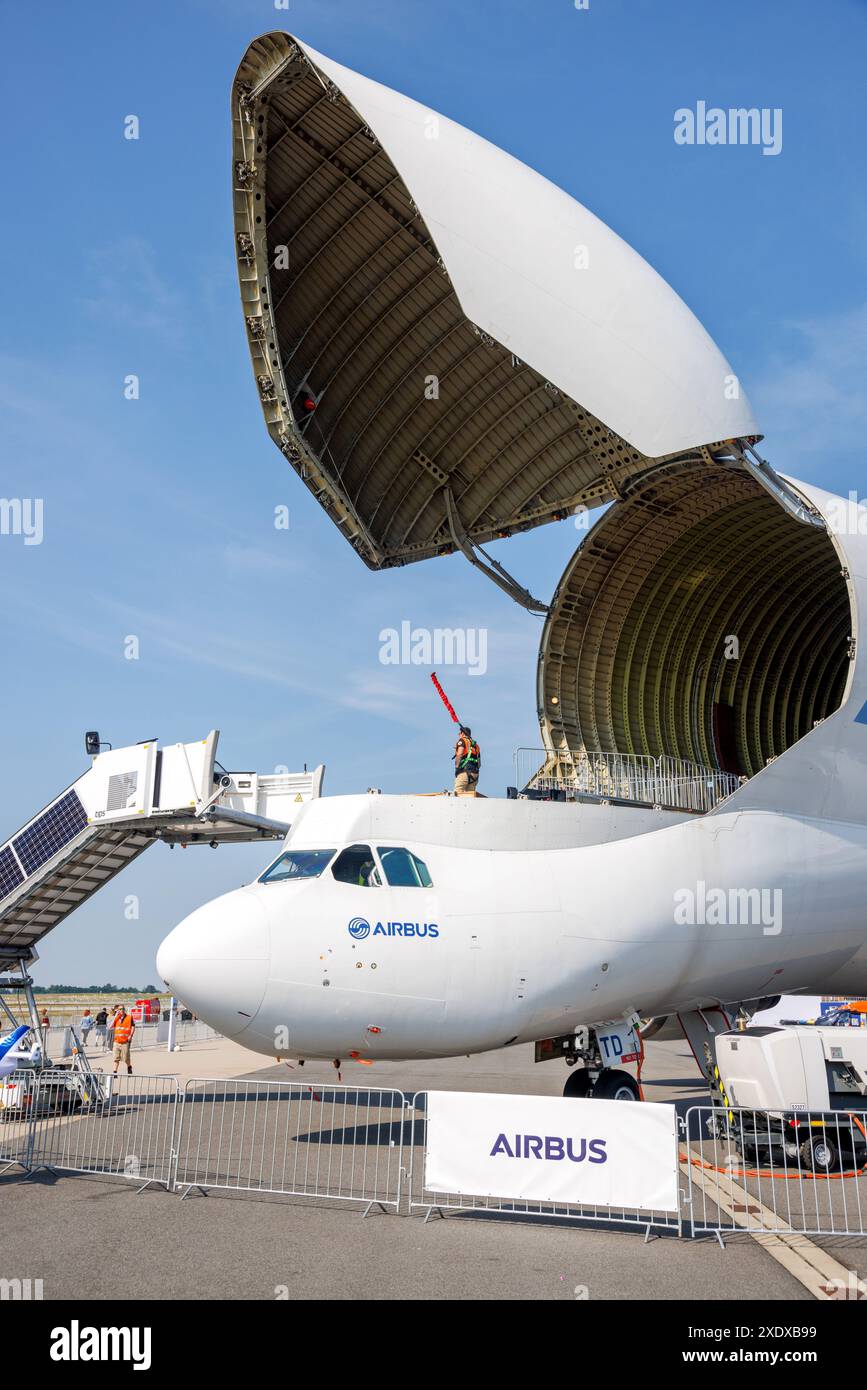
(123, 1028)
(467, 754)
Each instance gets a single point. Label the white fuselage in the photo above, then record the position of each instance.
(510, 944)
(544, 916)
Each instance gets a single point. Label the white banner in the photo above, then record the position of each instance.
(546, 1149)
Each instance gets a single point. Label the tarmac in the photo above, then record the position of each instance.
(69, 1230)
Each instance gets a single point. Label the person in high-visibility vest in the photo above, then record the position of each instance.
(124, 1027)
(468, 760)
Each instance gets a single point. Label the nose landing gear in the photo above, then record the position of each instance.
(616, 1084)
(579, 1084)
(613, 1083)
(594, 1048)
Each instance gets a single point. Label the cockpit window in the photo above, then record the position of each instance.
(403, 869)
(296, 864)
(357, 865)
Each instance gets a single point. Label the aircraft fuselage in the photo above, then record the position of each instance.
(507, 946)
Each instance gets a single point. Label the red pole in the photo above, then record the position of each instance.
(444, 697)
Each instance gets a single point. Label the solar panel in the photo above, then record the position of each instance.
(50, 832)
(10, 873)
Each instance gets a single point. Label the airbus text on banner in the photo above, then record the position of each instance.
(542, 1148)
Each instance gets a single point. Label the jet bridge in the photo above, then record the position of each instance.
(128, 799)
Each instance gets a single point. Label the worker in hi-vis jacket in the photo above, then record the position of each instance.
(468, 760)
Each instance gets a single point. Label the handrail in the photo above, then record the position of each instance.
(673, 783)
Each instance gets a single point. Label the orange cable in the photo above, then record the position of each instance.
(764, 1173)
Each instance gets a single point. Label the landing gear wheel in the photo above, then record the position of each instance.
(615, 1084)
(578, 1084)
(819, 1153)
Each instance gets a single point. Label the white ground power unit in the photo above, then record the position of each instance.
(802, 1090)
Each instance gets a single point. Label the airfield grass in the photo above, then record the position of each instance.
(66, 1008)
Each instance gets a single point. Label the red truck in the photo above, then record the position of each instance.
(146, 1011)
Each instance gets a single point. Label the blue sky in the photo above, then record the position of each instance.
(159, 512)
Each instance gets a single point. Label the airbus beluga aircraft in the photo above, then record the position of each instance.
(692, 834)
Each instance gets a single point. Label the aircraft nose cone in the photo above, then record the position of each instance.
(216, 961)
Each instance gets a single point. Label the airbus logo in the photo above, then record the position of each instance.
(359, 929)
(550, 1147)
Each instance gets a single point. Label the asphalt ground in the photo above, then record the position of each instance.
(70, 1231)
(67, 1230)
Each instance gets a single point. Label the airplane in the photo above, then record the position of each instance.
(11, 1055)
(704, 645)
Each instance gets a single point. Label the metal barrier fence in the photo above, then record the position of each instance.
(146, 1035)
(423, 1200)
(116, 1126)
(193, 1031)
(343, 1143)
(675, 783)
(756, 1172)
(740, 1171)
(16, 1128)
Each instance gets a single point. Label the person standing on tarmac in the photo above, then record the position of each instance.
(468, 761)
(119, 1012)
(124, 1027)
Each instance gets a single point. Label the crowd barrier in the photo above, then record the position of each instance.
(193, 1031)
(755, 1172)
(16, 1128)
(59, 1042)
(101, 1124)
(343, 1143)
(145, 1035)
(731, 1171)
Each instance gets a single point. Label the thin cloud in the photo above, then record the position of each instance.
(811, 401)
(271, 664)
(253, 560)
(130, 291)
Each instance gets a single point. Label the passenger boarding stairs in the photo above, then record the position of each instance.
(128, 799)
(88, 1083)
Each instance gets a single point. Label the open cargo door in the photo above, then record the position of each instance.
(448, 348)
